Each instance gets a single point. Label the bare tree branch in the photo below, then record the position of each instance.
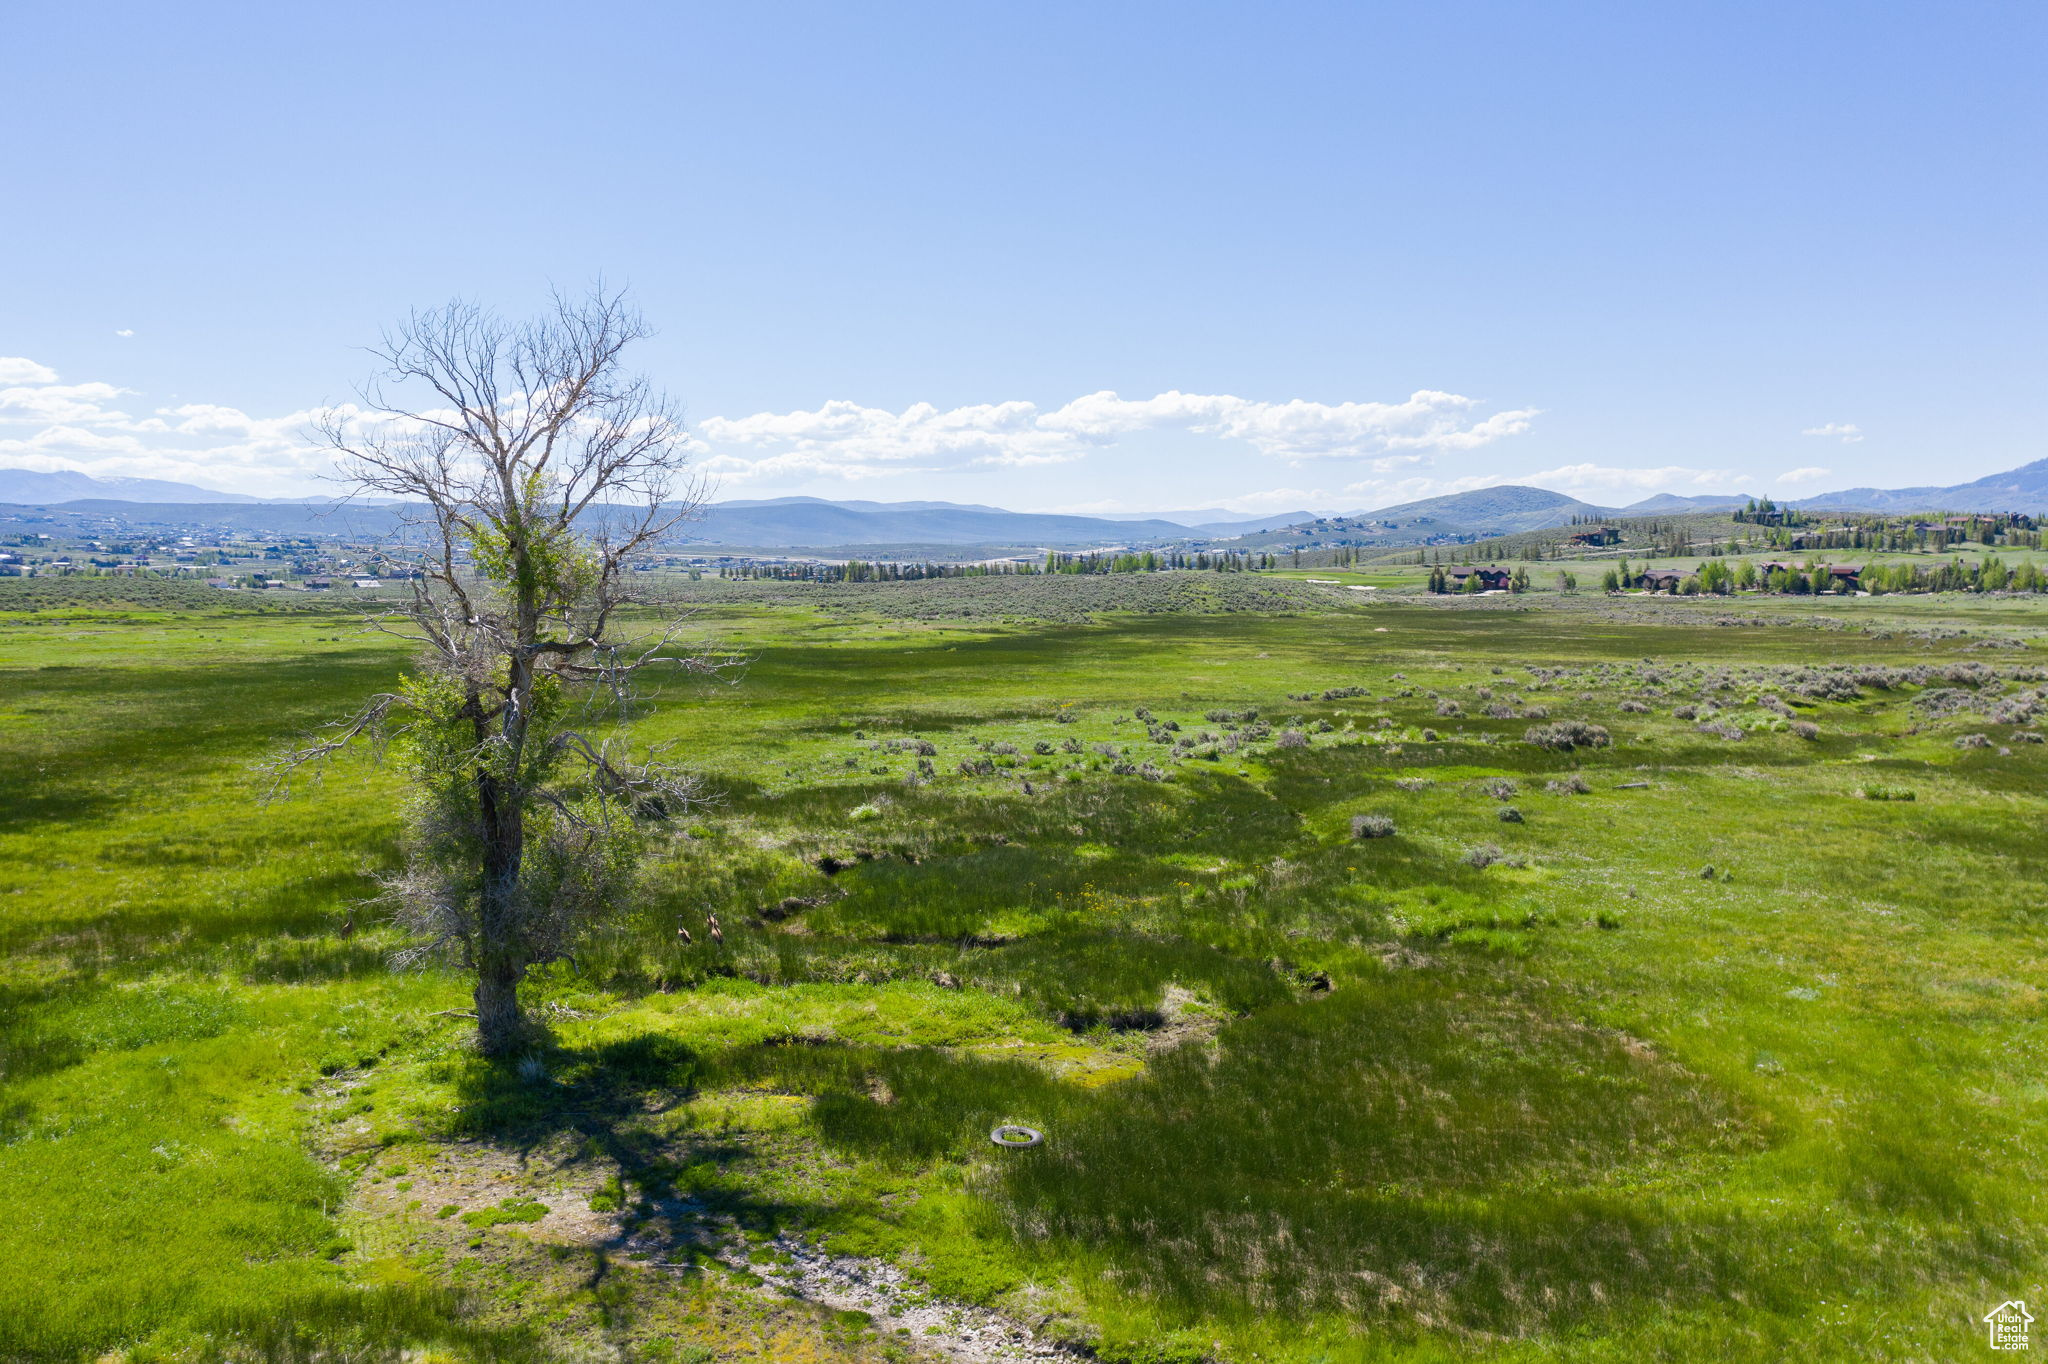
(531, 471)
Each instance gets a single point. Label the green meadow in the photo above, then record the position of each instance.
(1537, 978)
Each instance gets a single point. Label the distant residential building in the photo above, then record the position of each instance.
(1490, 578)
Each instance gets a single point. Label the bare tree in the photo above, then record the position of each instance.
(530, 471)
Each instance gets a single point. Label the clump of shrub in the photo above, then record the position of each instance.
(1635, 707)
(1448, 707)
(1291, 738)
(1721, 729)
(1885, 793)
(1042, 748)
(1372, 826)
(1484, 856)
(1564, 735)
(1973, 741)
(1806, 729)
(1414, 783)
(1501, 788)
(1574, 785)
(1510, 815)
(1828, 686)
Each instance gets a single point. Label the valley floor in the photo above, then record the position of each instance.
(1372, 1009)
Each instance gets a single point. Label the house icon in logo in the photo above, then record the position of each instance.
(2007, 1323)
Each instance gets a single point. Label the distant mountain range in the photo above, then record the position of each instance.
(2024, 489)
(1673, 503)
(789, 523)
(30, 488)
(782, 523)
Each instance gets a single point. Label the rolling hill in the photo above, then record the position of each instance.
(1504, 510)
(33, 488)
(1672, 502)
(2024, 489)
(1508, 507)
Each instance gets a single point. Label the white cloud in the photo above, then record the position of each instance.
(103, 428)
(50, 402)
(14, 369)
(847, 440)
(1848, 434)
(124, 331)
(48, 426)
(1805, 475)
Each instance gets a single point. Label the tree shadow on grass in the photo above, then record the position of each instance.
(676, 1191)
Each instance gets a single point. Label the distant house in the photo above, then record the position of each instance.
(1659, 579)
(365, 582)
(319, 584)
(1596, 535)
(1837, 573)
(1490, 578)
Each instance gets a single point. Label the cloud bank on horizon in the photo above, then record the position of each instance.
(846, 440)
(48, 425)
(1380, 452)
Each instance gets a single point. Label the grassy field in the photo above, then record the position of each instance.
(1721, 1038)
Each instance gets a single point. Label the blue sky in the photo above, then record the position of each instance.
(902, 251)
